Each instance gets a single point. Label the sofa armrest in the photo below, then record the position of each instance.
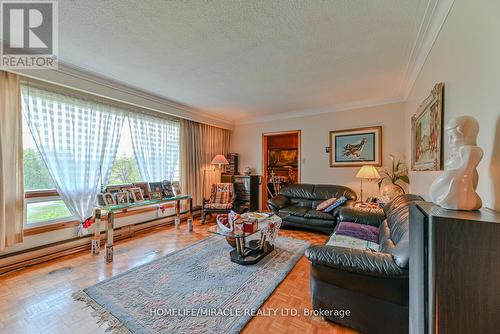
(349, 204)
(355, 260)
(277, 203)
(367, 216)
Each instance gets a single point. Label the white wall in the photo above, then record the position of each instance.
(247, 142)
(466, 57)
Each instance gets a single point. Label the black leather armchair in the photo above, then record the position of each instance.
(373, 286)
(296, 205)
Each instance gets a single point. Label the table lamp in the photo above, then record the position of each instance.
(219, 160)
(367, 172)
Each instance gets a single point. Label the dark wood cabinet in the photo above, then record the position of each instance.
(454, 270)
(247, 189)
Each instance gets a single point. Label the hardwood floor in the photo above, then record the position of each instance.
(38, 299)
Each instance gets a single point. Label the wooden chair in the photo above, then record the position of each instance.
(221, 200)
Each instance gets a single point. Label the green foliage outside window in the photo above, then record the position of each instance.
(124, 170)
(36, 175)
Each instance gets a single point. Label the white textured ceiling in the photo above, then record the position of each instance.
(239, 60)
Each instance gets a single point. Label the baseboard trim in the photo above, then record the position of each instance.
(22, 259)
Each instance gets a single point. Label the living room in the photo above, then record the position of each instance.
(249, 166)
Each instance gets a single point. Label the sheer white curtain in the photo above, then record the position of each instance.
(78, 141)
(156, 146)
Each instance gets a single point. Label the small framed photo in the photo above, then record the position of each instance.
(113, 189)
(109, 199)
(122, 198)
(167, 189)
(145, 188)
(126, 187)
(100, 200)
(155, 195)
(137, 194)
(155, 187)
(176, 187)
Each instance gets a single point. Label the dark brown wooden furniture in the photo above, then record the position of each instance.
(454, 270)
(247, 188)
(232, 167)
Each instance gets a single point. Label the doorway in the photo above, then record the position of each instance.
(280, 161)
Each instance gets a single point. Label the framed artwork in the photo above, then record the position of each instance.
(282, 157)
(100, 200)
(156, 187)
(167, 188)
(426, 132)
(122, 197)
(113, 189)
(356, 147)
(137, 194)
(109, 200)
(145, 188)
(155, 195)
(176, 187)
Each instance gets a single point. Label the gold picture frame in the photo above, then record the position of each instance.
(427, 132)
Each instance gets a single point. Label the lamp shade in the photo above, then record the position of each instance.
(219, 159)
(368, 172)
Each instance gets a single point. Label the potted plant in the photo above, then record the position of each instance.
(393, 178)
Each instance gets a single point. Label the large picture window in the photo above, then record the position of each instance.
(59, 122)
(43, 204)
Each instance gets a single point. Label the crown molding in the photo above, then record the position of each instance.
(320, 111)
(81, 79)
(434, 18)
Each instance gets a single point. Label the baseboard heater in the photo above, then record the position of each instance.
(40, 254)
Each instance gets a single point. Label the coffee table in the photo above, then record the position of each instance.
(253, 251)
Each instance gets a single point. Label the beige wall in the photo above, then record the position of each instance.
(247, 142)
(466, 57)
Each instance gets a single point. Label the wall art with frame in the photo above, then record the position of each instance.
(356, 147)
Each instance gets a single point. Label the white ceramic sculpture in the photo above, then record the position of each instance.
(456, 188)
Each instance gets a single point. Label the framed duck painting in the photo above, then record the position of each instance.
(356, 147)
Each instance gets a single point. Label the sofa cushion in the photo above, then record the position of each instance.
(401, 253)
(298, 211)
(298, 191)
(326, 203)
(317, 192)
(319, 215)
(360, 231)
(309, 222)
(301, 202)
(339, 202)
(384, 238)
(325, 191)
(344, 241)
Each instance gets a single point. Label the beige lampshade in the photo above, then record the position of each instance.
(368, 172)
(219, 159)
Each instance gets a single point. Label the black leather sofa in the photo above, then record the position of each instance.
(296, 204)
(374, 286)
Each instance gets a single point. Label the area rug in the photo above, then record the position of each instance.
(194, 290)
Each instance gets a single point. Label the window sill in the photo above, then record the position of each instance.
(50, 227)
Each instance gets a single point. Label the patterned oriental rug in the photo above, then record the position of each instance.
(194, 290)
